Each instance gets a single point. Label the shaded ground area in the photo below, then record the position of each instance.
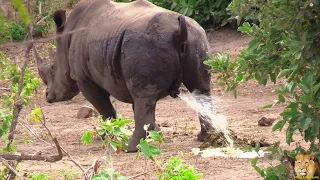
(179, 125)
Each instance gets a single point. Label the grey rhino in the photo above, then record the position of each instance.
(137, 52)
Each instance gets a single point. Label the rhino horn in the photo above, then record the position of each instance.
(40, 63)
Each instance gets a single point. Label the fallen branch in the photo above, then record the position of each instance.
(34, 157)
(10, 168)
(38, 137)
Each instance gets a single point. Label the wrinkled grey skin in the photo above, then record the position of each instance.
(136, 52)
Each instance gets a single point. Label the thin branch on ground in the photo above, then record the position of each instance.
(143, 173)
(34, 134)
(4, 162)
(34, 157)
(93, 169)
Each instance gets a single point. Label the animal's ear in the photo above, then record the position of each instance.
(59, 18)
(312, 156)
(298, 156)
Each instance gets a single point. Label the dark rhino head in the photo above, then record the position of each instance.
(56, 74)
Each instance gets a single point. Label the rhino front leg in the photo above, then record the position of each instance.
(98, 97)
(144, 113)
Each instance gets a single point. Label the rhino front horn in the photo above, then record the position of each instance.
(40, 63)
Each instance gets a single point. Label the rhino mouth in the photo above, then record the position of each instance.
(51, 98)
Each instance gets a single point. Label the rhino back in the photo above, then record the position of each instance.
(90, 50)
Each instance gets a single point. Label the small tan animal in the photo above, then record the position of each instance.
(306, 166)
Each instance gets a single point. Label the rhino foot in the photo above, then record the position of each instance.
(132, 144)
(202, 135)
(134, 141)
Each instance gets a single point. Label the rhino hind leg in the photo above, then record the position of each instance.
(144, 113)
(157, 127)
(98, 97)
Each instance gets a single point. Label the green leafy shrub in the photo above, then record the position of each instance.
(176, 169)
(284, 45)
(144, 146)
(200, 10)
(11, 73)
(245, 10)
(18, 30)
(203, 11)
(116, 135)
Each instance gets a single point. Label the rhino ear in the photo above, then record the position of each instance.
(59, 18)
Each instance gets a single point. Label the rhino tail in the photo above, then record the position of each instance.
(180, 39)
(181, 35)
(116, 57)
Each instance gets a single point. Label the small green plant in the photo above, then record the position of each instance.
(109, 173)
(114, 132)
(68, 175)
(175, 169)
(148, 150)
(39, 176)
(4, 173)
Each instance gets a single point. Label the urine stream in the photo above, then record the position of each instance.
(204, 106)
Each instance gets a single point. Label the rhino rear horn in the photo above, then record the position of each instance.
(40, 64)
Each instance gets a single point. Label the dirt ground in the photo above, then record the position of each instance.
(179, 126)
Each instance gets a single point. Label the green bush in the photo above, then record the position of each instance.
(203, 11)
(285, 45)
(18, 30)
(176, 169)
(4, 30)
(245, 10)
(200, 10)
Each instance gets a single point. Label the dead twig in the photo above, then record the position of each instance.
(141, 174)
(93, 169)
(4, 162)
(5, 89)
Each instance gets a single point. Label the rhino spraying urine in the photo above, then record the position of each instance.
(136, 52)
